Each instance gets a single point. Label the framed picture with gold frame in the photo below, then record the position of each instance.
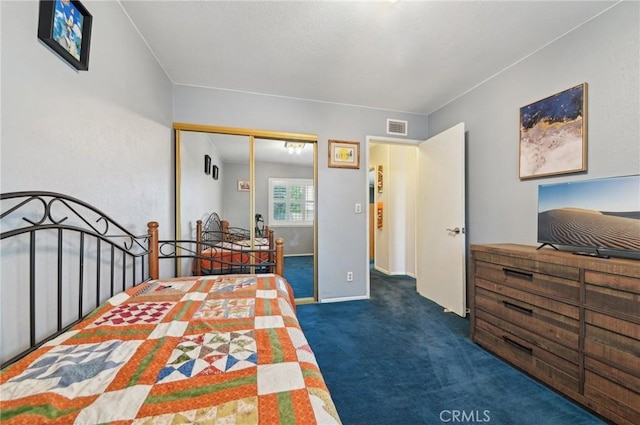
(344, 154)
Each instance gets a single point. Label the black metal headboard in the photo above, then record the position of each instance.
(61, 258)
(212, 231)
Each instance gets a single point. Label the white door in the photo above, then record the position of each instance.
(440, 216)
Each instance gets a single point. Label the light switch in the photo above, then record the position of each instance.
(358, 208)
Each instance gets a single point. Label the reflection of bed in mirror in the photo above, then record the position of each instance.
(238, 158)
(224, 249)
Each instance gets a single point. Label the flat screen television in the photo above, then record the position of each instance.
(599, 216)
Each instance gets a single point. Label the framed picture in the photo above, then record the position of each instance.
(380, 178)
(344, 154)
(553, 134)
(243, 186)
(207, 164)
(65, 26)
(214, 172)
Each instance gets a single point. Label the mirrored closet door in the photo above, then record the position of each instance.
(252, 179)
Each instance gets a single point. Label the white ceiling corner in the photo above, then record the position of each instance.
(399, 56)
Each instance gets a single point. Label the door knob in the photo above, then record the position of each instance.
(455, 230)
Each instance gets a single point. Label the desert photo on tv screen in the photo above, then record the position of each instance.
(599, 213)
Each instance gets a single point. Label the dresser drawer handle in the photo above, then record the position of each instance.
(517, 273)
(519, 346)
(516, 307)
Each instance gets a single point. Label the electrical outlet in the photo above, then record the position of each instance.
(358, 208)
(349, 276)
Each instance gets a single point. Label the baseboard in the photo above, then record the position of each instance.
(335, 300)
(306, 300)
(388, 273)
(381, 270)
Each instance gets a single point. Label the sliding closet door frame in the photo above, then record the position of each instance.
(252, 134)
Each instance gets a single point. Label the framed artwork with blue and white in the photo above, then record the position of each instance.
(65, 26)
(553, 134)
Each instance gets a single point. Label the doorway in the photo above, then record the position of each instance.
(439, 240)
(391, 190)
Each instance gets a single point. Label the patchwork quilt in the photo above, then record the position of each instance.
(226, 258)
(211, 350)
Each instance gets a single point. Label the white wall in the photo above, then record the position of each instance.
(605, 53)
(402, 186)
(342, 234)
(200, 194)
(235, 205)
(102, 135)
(395, 242)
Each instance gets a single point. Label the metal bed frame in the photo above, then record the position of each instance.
(55, 243)
(78, 229)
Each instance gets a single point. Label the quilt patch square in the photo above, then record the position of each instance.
(72, 370)
(285, 308)
(299, 341)
(226, 309)
(267, 322)
(144, 313)
(243, 411)
(230, 284)
(279, 377)
(173, 328)
(194, 296)
(103, 409)
(171, 287)
(210, 353)
(267, 294)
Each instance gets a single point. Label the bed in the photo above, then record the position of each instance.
(224, 249)
(198, 349)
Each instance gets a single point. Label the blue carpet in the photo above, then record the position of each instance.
(298, 270)
(399, 359)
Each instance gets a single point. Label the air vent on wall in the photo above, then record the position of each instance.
(397, 127)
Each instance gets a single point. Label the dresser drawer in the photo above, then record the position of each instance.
(553, 320)
(568, 359)
(559, 306)
(529, 281)
(614, 339)
(529, 265)
(612, 293)
(619, 399)
(539, 363)
(613, 374)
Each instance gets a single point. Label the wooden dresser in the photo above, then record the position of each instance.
(570, 321)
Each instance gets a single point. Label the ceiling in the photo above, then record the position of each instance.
(408, 56)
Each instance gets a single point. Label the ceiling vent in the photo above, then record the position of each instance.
(397, 127)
